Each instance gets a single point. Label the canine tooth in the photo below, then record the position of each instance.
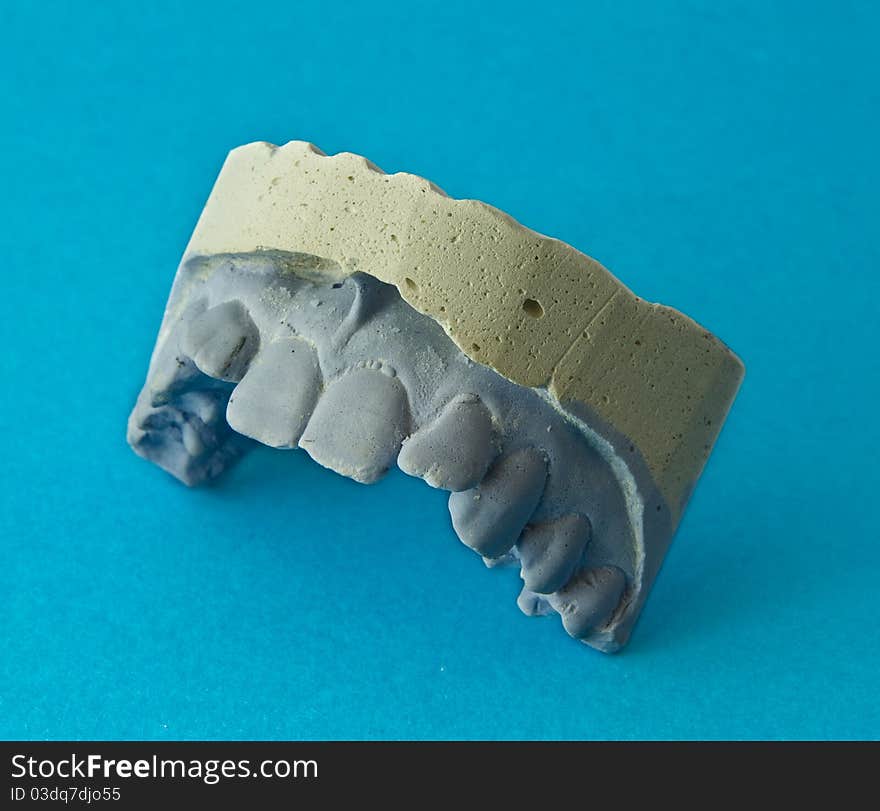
(358, 424)
(490, 517)
(551, 551)
(222, 340)
(455, 450)
(275, 399)
(589, 599)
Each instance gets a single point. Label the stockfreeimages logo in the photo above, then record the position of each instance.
(209, 771)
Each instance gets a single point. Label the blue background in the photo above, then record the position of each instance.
(719, 157)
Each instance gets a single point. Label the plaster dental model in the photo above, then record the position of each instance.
(370, 319)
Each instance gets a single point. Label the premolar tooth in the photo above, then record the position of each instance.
(551, 551)
(589, 599)
(490, 517)
(358, 424)
(274, 401)
(454, 451)
(222, 340)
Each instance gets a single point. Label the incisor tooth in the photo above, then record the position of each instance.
(274, 400)
(221, 341)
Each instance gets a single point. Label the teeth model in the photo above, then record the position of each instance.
(370, 319)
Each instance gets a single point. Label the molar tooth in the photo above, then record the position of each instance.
(532, 605)
(275, 399)
(551, 551)
(490, 517)
(589, 599)
(221, 341)
(455, 450)
(358, 424)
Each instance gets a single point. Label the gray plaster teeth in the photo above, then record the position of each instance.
(551, 551)
(358, 424)
(490, 517)
(221, 341)
(588, 601)
(569, 416)
(454, 451)
(275, 399)
(350, 381)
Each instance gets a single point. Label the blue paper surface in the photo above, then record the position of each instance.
(720, 158)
